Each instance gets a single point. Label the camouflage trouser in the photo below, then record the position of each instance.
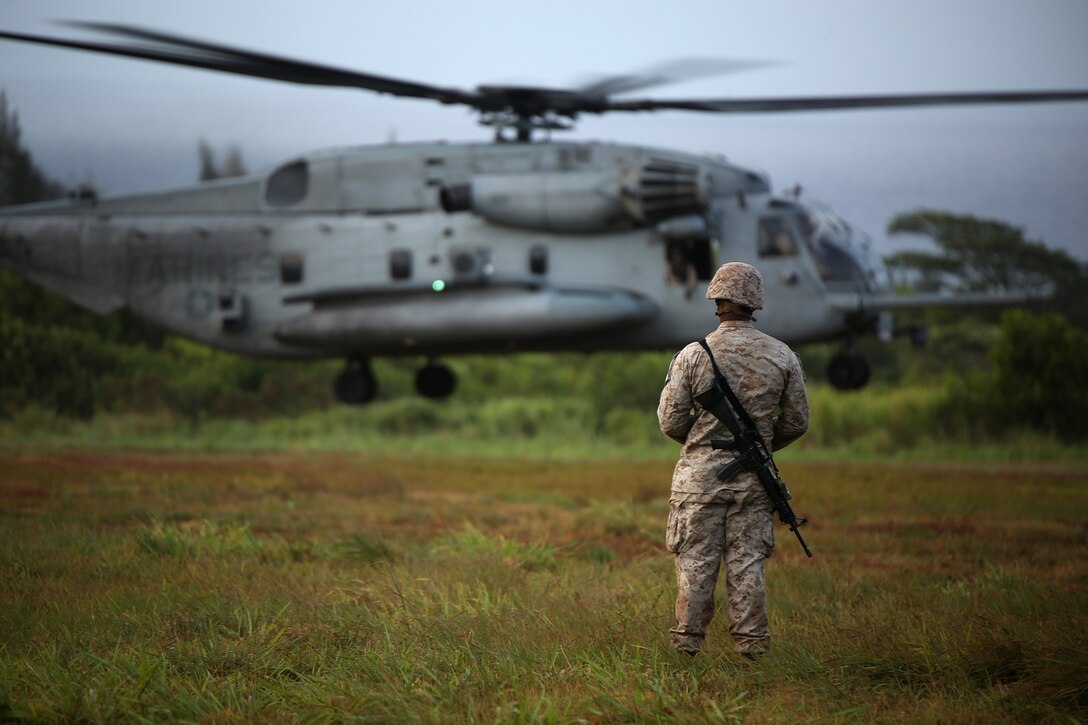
(737, 527)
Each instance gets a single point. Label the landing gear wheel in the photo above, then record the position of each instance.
(355, 384)
(848, 370)
(435, 381)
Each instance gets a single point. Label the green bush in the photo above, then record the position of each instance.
(632, 426)
(55, 367)
(564, 417)
(1040, 365)
(406, 417)
(878, 419)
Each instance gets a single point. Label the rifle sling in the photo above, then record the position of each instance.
(742, 414)
(778, 498)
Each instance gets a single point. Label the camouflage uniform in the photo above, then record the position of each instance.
(710, 520)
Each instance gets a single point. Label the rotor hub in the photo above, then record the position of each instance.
(523, 124)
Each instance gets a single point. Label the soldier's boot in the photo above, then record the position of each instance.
(752, 649)
(687, 642)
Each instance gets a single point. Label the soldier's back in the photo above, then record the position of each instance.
(757, 366)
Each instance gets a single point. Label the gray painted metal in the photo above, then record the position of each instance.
(300, 262)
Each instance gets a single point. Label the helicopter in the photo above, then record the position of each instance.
(520, 244)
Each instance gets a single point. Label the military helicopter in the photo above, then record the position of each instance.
(523, 244)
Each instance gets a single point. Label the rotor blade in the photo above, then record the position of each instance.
(670, 72)
(199, 54)
(830, 103)
(520, 102)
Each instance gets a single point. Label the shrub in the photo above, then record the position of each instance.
(564, 417)
(1040, 364)
(55, 367)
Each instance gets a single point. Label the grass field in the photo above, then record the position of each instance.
(337, 587)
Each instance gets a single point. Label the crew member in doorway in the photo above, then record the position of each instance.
(680, 267)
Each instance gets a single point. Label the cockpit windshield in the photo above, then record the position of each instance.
(834, 263)
(842, 255)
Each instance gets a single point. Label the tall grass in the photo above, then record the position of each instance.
(907, 422)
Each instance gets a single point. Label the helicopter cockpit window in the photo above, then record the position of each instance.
(288, 185)
(775, 238)
(835, 263)
(400, 264)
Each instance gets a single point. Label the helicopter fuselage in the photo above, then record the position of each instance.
(444, 249)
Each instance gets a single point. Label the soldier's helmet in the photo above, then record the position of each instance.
(740, 283)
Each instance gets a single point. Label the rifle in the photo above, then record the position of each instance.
(749, 452)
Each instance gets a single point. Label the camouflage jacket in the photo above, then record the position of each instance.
(767, 379)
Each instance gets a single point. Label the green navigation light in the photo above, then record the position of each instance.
(438, 285)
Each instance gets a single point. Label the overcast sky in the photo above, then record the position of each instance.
(129, 125)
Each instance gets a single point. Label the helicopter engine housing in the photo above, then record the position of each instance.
(558, 202)
(582, 201)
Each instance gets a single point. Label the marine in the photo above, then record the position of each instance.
(711, 521)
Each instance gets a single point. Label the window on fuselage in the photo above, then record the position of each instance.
(288, 185)
(538, 260)
(291, 268)
(776, 238)
(400, 264)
